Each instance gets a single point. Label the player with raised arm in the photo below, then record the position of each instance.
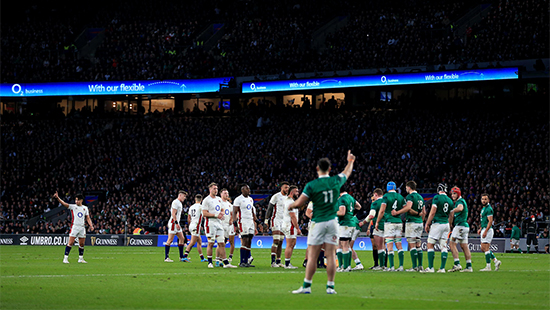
(174, 228)
(393, 226)
(79, 212)
(194, 218)
(486, 233)
(413, 227)
(274, 218)
(290, 224)
(214, 214)
(245, 223)
(323, 192)
(439, 231)
(346, 204)
(227, 223)
(459, 218)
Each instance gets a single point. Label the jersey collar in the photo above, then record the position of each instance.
(324, 176)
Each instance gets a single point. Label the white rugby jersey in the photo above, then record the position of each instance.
(246, 208)
(195, 212)
(176, 204)
(278, 200)
(286, 215)
(214, 206)
(227, 211)
(78, 214)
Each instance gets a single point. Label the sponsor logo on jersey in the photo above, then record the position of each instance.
(80, 214)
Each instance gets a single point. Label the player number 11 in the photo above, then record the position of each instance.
(328, 194)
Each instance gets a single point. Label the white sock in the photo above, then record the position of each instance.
(357, 261)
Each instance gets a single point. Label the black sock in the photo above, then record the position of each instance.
(278, 261)
(67, 250)
(186, 254)
(210, 259)
(180, 246)
(202, 257)
(375, 257)
(166, 251)
(242, 256)
(231, 256)
(226, 261)
(287, 262)
(273, 256)
(80, 251)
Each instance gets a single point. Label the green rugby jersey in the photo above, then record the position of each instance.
(324, 193)
(393, 201)
(355, 222)
(444, 206)
(461, 218)
(349, 202)
(485, 213)
(375, 205)
(516, 233)
(417, 205)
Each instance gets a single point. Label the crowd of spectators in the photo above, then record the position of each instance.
(160, 39)
(140, 162)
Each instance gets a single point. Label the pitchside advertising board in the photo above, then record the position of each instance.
(259, 242)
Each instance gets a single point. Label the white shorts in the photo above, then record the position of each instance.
(214, 229)
(277, 225)
(229, 230)
(489, 237)
(378, 233)
(392, 230)
(323, 232)
(439, 232)
(514, 241)
(172, 229)
(78, 232)
(413, 230)
(460, 233)
(355, 233)
(195, 229)
(345, 231)
(246, 227)
(290, 231)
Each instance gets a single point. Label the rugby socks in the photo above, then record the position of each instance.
(202, 256)
(401, 255)
(186, 254)
(80, 251)
(468, 263)
(431, 256)
(340, 256)
(67, 250)
(287, 262)
(243, 261)
(413, 257)
(230, 256)
(444, 259)
(382, 257)
(488, 258)
(358, 261)
(457, 261)
(347, 259)
(209, 259)
(419, 257)
(273, 256)
(493, 256)
(375, 257)
(226, 261)
(278, 261)
(307, 283)
(390, 258)
(528, 249)
(180, 247)
(330, 284)
(166, 251)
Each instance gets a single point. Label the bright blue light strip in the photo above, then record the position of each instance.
(112, 88)
(382, 80)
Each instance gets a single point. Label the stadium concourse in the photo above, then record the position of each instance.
(276, 37)
(141, 161)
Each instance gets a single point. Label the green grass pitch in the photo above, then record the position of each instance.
(138, 278)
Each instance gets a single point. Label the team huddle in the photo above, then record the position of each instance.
(333, 226)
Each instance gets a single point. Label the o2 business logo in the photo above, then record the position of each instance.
(383, 79)
(17, 89)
